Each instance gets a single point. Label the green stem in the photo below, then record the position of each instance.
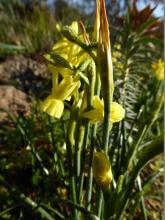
(36, 206)
(99, 202)
(4, 212)
(106, 75)
(143, 131)
(94, 86)
(53, 144)
(78, 148)
(91, 72)
(135, 146)
(69, 148)
(90, 172)
(84, 147)
(106, 124)
(144, 211)
(139, 200)
(60, 216)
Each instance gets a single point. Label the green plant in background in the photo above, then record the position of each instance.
(25, 29)
(88, 133)
(99, 72)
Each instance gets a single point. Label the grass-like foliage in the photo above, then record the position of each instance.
(83, 151)
(25, 28)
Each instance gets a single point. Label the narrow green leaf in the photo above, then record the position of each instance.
(10, 47)
(147, 40)
(149, 151)
(146, 25)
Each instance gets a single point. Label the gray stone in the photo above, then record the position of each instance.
(25, 74)
(13, 100)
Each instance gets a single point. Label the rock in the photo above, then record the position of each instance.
(25, 74)
(13, 100)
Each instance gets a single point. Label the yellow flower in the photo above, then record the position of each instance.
(97, 114)
(117, 112)
(101, 169)
(53, 104)
(158, 69)
(69, 51)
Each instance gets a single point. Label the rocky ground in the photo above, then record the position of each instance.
(21, 79)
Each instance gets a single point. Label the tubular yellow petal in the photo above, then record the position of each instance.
(53, 107)
(117, 112)
(101, 169)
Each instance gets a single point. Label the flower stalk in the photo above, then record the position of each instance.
(106, 72)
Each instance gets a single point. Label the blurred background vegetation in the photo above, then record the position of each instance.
(28, 29)
(30, 26)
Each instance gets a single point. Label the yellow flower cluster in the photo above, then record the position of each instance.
(158, 69)
(69, 51)
(74, 55)
(101, 169)
(54, 103)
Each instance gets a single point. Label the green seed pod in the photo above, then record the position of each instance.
(59, 61)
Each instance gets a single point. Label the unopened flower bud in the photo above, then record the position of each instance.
(102, 169)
